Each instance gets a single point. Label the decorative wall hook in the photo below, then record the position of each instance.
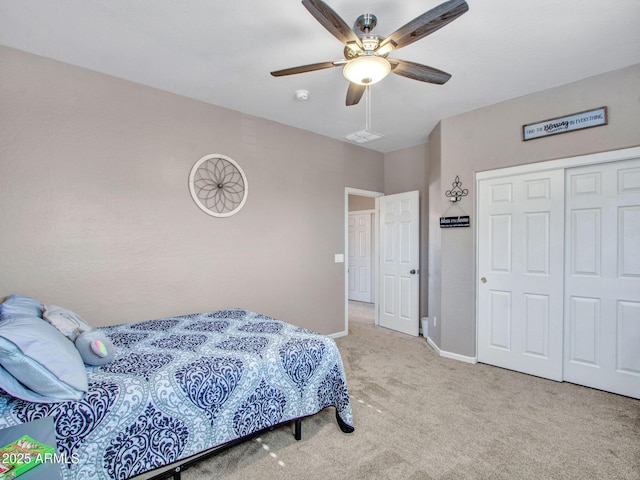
(457, 192)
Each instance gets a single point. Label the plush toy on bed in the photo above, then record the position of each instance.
(94, 346)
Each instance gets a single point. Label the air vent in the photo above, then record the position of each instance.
(363, 136)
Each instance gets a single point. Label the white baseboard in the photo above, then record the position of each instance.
(454, 356)
(343, 333)
(433, 345)
(442, 353)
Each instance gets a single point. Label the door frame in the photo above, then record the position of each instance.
(562, 163)
(375, 238)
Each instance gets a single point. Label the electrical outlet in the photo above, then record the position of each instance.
(435, 321)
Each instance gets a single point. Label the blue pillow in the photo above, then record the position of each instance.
(18, 306)
(13, 387)
(42, 359)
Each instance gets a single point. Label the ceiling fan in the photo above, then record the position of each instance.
(365, 54)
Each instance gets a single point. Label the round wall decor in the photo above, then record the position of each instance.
(218, 185)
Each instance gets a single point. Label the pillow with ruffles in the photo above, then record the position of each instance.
(20, 306)
(41, 359)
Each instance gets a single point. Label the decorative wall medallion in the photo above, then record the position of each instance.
(218, 185)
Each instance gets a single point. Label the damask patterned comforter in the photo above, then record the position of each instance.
(181, 385)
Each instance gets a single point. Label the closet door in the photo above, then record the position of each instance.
(520, 272)
(602, 287)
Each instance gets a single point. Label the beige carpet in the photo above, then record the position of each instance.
(421, 416)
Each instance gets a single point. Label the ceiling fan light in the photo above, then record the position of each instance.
(366, 69)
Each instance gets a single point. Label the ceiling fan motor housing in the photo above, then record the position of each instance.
(365, 23)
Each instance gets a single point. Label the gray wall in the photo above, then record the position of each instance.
(406, 170)
(490, 138)
(435, 235)
(96, 214)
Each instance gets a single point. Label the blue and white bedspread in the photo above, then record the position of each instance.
(181, 385)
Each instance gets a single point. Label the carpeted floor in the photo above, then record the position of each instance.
(421, 416)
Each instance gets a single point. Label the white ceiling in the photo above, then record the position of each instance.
(221, 52)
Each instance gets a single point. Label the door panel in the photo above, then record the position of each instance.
(500, 242)
(629, 337)
(537, 242)
(360, 257)
(584, 320)
(585, 241)
(520, 263)
(500, 320)
(603, 277)
(536, 325)
(629, 254)
(399, 227)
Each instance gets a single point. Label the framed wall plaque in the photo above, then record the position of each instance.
(568, 123)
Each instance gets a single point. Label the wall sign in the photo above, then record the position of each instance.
(453, 222)
(569, 123)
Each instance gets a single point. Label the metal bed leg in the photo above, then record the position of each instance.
(298, 429)
(176, 473)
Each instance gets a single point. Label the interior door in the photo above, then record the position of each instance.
(359, 268)
(399, 262)
(602, 298)
(520, 270)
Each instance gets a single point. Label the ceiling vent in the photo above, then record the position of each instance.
(363, 136)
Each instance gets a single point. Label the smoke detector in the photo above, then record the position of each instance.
(302, 95)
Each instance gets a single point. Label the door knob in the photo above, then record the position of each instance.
(413, 272)
(483, 280)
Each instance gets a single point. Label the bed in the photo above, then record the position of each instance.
(184, 385)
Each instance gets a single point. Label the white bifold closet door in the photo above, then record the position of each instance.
(602, 277)
(559, 274)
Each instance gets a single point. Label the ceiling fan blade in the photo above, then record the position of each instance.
(331, 21)
(424, 25)
(416, 71)
(306, 68)
(354, 93)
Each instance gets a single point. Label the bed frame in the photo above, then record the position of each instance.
(175, 470)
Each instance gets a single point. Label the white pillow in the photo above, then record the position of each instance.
(70, 324)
